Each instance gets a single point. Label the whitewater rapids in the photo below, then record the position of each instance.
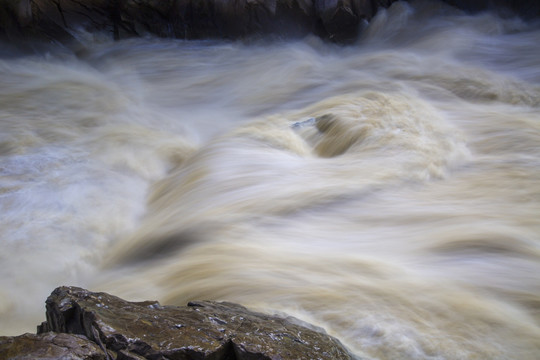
(388, 190)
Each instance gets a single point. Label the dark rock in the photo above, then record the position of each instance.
(59, 20)
(49, 346)
(233, 19)
(201, 330)
(527, 9)
(93, 15)
(14, 16)
(339, 19)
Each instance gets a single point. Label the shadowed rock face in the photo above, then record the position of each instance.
(187, 19)
(49, 346)
(201, 330)
(527, 9)
(337, 20)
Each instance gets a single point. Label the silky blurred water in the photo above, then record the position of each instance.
(388, 191)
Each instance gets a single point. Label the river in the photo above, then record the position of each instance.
(387, 190)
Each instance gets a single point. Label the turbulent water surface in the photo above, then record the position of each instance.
(388, 190)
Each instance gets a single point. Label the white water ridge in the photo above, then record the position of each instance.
(388, 190)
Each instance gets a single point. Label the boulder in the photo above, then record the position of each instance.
(339, 19)
(49, 346)
(200, 330)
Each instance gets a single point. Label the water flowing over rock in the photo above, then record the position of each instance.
(147, 330)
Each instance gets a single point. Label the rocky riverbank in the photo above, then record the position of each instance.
(93, 326)
(186, 19)
(336, 20)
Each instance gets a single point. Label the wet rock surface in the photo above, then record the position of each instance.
(102, 326)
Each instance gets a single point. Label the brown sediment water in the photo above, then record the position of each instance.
(387, 190)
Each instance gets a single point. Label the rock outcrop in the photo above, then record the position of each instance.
(87, 325)
(337, 20)
(49, 346)
(187, 19)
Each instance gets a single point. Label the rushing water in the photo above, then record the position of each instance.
(388, 191)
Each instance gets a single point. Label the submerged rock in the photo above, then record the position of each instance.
(200, 330)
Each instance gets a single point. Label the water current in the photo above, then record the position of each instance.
(387, 190)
